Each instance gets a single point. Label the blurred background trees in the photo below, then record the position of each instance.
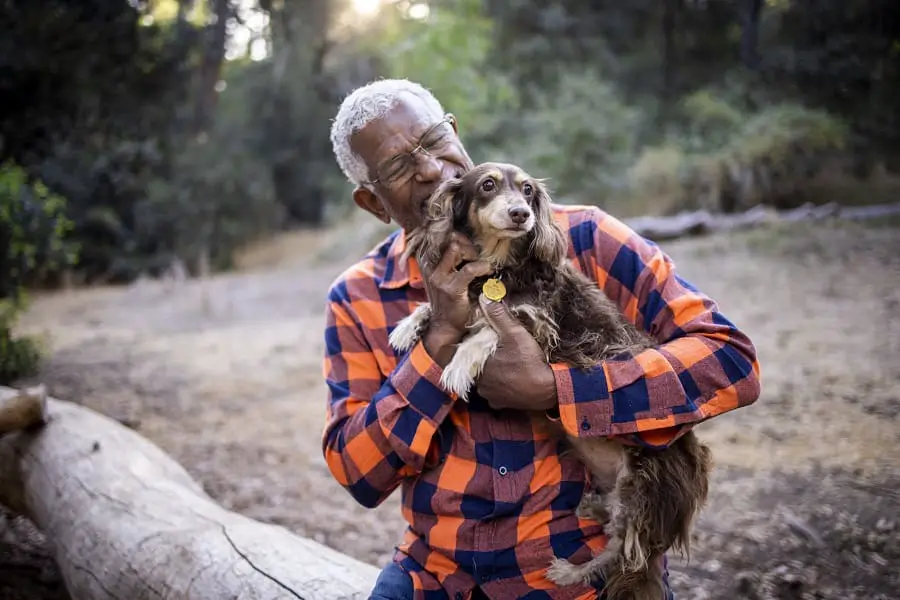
(138, 133)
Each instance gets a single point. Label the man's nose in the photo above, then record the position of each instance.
(428, 168)
(519, 214)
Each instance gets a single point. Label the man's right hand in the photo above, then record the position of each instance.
(448, 293)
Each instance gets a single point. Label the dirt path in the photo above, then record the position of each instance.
(226, 377)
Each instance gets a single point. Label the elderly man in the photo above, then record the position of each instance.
(488, 503)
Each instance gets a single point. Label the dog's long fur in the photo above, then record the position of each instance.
(647, 498)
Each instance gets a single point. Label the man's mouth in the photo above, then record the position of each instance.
(423, 201)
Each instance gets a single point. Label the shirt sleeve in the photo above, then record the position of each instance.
(704, 365)
(378, 429)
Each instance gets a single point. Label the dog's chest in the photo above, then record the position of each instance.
(500, 288)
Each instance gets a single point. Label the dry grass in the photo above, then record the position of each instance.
(806, 477)
(279, 251)
(354, 235)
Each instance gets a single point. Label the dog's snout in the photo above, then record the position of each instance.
(519, 214)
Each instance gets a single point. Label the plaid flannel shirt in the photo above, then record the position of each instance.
(489, 502)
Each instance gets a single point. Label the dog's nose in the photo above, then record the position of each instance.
(519, 214)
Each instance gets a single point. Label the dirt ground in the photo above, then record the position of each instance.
(226, 376)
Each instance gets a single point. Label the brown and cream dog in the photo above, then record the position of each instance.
(650, 501)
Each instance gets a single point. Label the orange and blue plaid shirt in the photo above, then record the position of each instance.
(489, 500)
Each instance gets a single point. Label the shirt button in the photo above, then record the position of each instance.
(585, 425)
(502, 470)
(458, 596)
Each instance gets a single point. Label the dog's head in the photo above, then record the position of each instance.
(504, 210)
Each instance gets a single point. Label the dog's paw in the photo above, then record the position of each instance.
(457, 378)
(562, 572)
(409, 329)
(405, 335)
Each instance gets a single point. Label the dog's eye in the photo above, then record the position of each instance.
(527, 189)
(487, 185)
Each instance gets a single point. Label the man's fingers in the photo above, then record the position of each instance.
(460, 249)
(450, 259)
(475, 269)
(467, 248)
(498, 315)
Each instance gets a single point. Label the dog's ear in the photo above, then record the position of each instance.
(550, 243)
(442, 211)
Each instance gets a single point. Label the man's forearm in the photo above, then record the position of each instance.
(704, 365)
(378, 430)
(370, 445)
(652, 397)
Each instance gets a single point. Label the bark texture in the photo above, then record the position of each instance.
(126, 521)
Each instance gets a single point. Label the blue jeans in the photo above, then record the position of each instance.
(392, 584)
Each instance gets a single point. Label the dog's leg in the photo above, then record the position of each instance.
(604, 458)
(609, 470)
(562, 572)
(468, 362)
(408, 330)
(592, 507)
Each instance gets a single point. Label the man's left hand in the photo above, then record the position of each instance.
(517, 375)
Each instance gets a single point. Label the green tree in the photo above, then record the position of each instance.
(33, 231)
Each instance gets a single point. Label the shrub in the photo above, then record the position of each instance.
(736, 163)
(33, 231)
(656, 178)
(581, 137)
(709, 121)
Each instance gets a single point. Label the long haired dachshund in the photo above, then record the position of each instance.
(649, 499)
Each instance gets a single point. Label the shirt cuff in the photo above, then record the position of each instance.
(417, 379)
(587, 407)
(576, 386)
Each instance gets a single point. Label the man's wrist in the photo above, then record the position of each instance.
(440, 342)
(549, 400)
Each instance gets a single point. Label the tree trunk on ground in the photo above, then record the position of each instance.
(689, 224)
(126, 521)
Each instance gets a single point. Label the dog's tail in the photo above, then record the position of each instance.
(640, 584)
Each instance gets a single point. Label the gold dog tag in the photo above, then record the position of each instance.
(494, 289)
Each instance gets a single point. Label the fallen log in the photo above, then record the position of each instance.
(126, 521)
(701, 222)
(23, 410)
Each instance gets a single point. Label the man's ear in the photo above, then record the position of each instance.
(369, 202)
(453, 123)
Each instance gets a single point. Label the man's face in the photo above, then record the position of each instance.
(409, 153)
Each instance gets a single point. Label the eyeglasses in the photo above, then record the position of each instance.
(402, 166)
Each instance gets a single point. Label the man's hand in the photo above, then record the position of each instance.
(517, 375)
(448, 293)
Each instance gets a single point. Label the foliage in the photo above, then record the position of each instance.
(172, 137)
(447, 53)
(33, 229)
(581, 139)
(768, 157)
(709, 120)
(218, 193)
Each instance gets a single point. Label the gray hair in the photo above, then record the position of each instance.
(363, 105)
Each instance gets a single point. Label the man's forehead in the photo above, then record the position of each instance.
(396, 132)
(404, 137)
